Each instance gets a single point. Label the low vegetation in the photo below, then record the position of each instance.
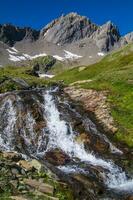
(115, 74)
(10, 73)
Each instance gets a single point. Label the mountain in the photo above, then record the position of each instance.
(70, 38)
(68, 29)
(10, 34)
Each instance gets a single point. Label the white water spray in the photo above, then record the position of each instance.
(8, 113)
(59, 138)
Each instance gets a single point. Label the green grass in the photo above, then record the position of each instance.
(9, 72)
(115, 74)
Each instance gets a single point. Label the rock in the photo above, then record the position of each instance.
(130, 198)
(94, 102)
(18, 198)
(14, 171)
(106, 36)
(14, 183)
(42, 187)
(12, 156)
(83, 138)
(10, 34)
(36, 164)
(43, 64)
(128, 38)
(57, 157)
(37, 193)
(26, 165)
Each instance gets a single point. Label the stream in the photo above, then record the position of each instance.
(44, 122)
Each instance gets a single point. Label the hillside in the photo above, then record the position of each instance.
(114, 73)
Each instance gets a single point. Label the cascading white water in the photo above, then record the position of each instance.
(59, 138)
(8, 113)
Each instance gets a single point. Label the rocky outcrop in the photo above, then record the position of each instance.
(95, 102)
(106, 36)
(68, 29)
(128, 38)
(42, 64)
(10, 34)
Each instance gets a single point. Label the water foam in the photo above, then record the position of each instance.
(59, 138)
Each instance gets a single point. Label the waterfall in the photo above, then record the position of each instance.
(7, 124)
(59, 138)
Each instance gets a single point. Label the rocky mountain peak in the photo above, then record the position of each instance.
(68, 28)
(10, 34)
(106, 36)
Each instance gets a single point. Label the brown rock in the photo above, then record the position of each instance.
(18, 198)
(96, 102)
(57, 157)
(130, 198)
(12, 156)
(42, 187)
(26, 165)
(83, 138)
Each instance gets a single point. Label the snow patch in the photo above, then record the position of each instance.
(72, 56)
(100, 54)
(38, 55)
(46, 32)
(59, 58)
(46, 75)
(16, 58)
(35, 56)
(14, 49)
(12, 52)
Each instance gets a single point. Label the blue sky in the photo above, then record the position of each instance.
(37, 13)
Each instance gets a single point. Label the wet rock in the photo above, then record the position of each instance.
(57, 157)
(92, 187)
(101, 146)
(42, 187)
(83, 138)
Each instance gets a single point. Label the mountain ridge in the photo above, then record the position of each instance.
(73, 33)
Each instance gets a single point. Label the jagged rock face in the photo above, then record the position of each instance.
(106, 36)
(68, 29)
(10, 34)
(127, 38)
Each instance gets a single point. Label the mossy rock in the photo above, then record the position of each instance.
(43, 64)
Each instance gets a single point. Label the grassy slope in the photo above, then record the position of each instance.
(18, 72)
(115, 74)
